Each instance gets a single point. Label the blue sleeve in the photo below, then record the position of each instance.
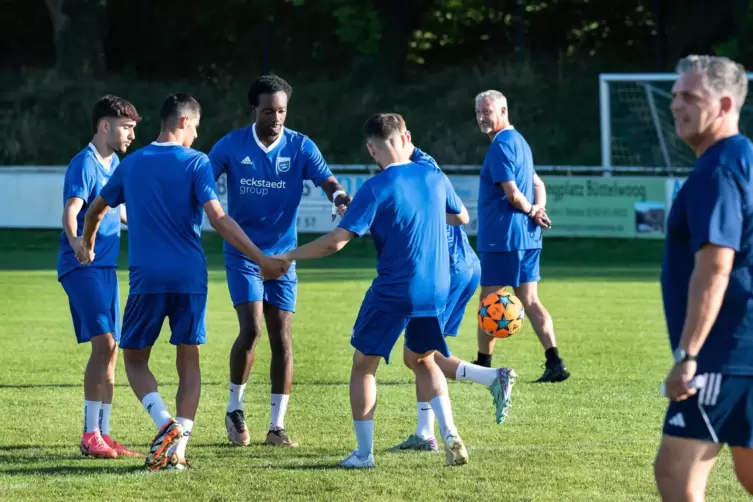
(454, 204)
(204, 186)
(219, 156)
(361, 213)
(715, 213)
(79, 179)
(113, 193)
(315, 168)
(501, 163)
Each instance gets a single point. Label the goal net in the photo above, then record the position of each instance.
(637, 128)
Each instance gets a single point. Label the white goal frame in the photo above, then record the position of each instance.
(605, 113)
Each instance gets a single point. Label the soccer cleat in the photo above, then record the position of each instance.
(119, 448)
(277, 437)
(415, 442)
(555, 373)
(353, 461)
(455, 451)
(501, 391)
(477, 363)
(92, 445)
(175, 463)
(167, 437)
(237, 432)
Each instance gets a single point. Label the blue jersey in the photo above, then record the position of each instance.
(84, 178)
(265, 186)
(462, 256)
(714, 206)
(405, 207)
(165, 186)
(501, 226)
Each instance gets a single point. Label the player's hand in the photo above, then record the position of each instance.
(342, 202)
(275, 267)
(678, 381)
(83, 254)
(542, 219)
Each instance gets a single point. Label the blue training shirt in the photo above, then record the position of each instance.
(84, 178)
(264, 188)
(405, 207)
(714, 206)
(462, 256)
(165, 186)
(502, 227)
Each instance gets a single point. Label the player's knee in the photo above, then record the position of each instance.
(248, 336)
(744, 472)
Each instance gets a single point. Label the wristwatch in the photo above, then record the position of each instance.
(682, 356)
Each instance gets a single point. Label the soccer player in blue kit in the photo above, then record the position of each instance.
(511, 214)
(166, 185)
(707, 285)
(93, 293)
(465, 273)
(406, 208)
(266, 165)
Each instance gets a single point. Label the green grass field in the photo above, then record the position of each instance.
(591, 438)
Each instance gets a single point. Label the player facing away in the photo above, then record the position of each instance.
(707, 285)
(166, 184)
(266, 165)
(406, 208)
(93, 293)
(511, 213)
(465, 273)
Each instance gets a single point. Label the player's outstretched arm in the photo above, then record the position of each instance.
(93, 218)
(234, 234)
(325, 245)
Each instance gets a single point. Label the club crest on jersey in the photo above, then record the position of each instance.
(283, 164)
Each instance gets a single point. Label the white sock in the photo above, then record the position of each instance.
(278, 406)
(235, 402)
(187, 424)
(154, 405)
(475, 373)
(425, 427)
(91, 415)
(104, 419)
(364, 436)
(443, 410)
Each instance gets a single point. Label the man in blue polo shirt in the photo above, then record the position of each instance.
(511, 214)
(707, 285)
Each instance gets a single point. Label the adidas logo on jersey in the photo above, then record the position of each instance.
(677, 421)
(246, 161)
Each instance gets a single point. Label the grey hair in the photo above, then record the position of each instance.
(720, 75)
(493, 95)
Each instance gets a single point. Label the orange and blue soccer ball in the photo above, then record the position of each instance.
(501, 314)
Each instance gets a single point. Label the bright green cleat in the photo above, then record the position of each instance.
(501, 390)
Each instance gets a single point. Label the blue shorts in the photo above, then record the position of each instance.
(94, 299)
(246, 287)
(511, 268)
(720, 412)
(462, 288)
(376, 332)
(144, 315)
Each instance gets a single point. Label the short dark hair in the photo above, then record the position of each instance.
(383, 125)
(267, 84)
(109, 106)
(177, 104)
